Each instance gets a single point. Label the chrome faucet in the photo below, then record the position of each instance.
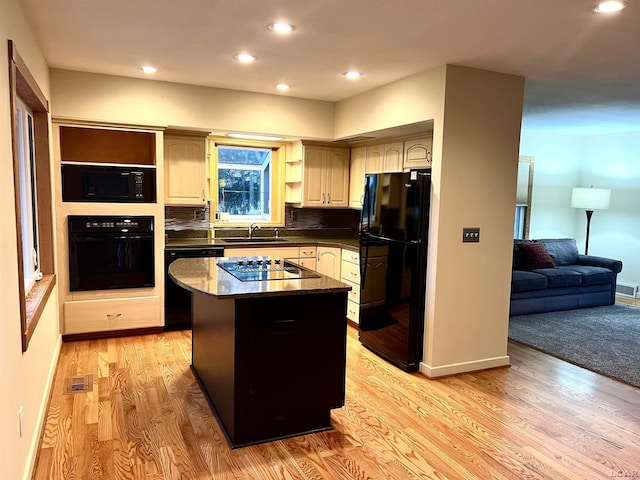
(253, 227)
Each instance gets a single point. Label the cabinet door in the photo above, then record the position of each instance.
(185, 170)
(392, 159)
(374, 159)
(337, 178)
(314, 177)
(417, 153)
(356, 176)
(374, 289)
(329, 262)
(309, 263)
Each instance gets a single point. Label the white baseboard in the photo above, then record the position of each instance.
(456, 368)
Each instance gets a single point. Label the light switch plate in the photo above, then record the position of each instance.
(471, 234)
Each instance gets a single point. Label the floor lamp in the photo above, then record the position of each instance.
(590, 199)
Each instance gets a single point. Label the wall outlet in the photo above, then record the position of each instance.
(471, 234)
(21, 420)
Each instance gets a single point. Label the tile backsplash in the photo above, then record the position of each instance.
(321, 218)
(186, 218)
(194, 221)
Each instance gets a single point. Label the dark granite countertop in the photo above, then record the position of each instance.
(202, 275)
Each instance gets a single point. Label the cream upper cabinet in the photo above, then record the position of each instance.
(185, 170)
(356, 176)
(374, 162)
(384, 158)
(417, 153)
(392, 157)
(325, 177)
(328, 261)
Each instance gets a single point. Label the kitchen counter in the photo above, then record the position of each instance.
(203, 275)
(292, 241)
(270, 356)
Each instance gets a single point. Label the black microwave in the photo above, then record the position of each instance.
(95, 183)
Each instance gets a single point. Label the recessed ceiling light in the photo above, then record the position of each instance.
(352, 74)
(250, 136)
(609, 6)
(245, 58)
(281, 28)
(149, 69)
(282, 86)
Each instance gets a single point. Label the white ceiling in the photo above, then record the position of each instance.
(582, 68)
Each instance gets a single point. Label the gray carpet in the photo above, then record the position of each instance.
(605, 340)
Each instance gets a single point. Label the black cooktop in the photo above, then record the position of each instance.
(259, 269)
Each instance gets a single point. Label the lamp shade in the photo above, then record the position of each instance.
(590, 198)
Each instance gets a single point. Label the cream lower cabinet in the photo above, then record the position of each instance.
(307, 257)
(280, 252)
(373, 292)
(328, 261)
(83, 316)
(350, 274)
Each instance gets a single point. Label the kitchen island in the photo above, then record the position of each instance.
(269, 352)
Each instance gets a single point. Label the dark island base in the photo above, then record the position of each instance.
(270, 367)
(302, 425)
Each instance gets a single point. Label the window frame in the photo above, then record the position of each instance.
(522, 219)
(28, 192)
(23, 86)
(276, 174)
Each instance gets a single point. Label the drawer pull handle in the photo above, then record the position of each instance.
(112, 316)
(354, 274)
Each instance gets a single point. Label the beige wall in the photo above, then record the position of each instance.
(26, 377)
(105, 98)
(413, 99)
(469, 283)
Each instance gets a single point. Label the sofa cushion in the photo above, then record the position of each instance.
(519, 260)
(592, 275)
(563, 251)
(523, 281)
(560, 277)
(535, 256)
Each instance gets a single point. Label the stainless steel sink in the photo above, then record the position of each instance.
(254, 240)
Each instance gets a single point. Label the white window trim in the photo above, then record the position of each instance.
(28, 195)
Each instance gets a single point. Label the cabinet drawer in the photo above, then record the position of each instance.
(350, 256)
(85, 316)
(351, 272)
(353, 311)
(309, 263)
(354, 293)
(306, 252)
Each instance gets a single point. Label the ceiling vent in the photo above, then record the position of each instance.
(361, 138)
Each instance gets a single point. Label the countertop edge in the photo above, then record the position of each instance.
(349, 244)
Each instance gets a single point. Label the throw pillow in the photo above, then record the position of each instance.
(536, 256)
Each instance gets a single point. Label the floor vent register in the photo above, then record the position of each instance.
(78, 384)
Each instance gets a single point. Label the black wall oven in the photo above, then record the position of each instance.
(109, 252)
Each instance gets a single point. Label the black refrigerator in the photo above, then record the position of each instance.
(394, 226)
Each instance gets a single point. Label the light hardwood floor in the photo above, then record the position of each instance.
(147, 419)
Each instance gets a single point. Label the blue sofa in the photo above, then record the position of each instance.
(570, 281)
